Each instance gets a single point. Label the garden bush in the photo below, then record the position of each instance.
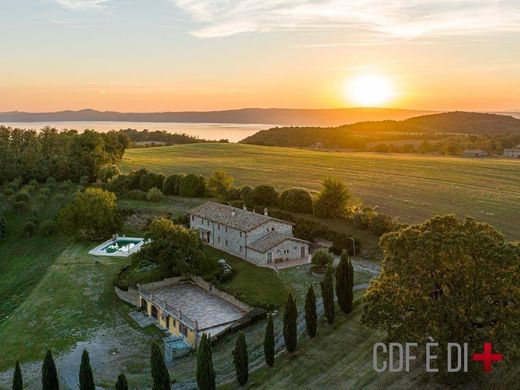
(232, 194)
(171, 185)
(321, 259)
(8, 191)
(264, 196)
(21, 206)
(154, 194)
(47, 228)
(22, 196)
(193, 186)
(29, 229)
(296, 200)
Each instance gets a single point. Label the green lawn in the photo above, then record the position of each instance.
(410, 187)
(257, 286)
(24, 260)
(73, 307)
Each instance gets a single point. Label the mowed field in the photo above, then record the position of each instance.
(409, 187)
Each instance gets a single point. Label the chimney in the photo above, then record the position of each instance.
(245, 208)
(233, 213)
(266, 213)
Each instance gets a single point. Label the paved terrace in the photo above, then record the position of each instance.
(198, 304)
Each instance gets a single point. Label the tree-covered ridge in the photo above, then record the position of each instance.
(465, 129)
(162, 137)
(64, 155)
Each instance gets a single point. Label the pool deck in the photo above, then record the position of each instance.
(99, 250)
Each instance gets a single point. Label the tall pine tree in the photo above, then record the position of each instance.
(289, 324)
(17, 378)
(160, 376)
(86, 379)
(269, 342)
(205, 372)
(241, 360)
(49, 373)
(122, 383)
(345, 283)
(311, 318)
(327, 292)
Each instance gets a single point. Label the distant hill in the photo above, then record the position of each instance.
(273, 116)
(357, 134)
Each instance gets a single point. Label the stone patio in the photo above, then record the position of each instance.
(199, 305)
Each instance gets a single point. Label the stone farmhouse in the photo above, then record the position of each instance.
(513, 152)
(257, 238)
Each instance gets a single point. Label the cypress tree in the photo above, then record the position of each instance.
(345, 283)
(160, 376)
(311, 318)
(327, 292)
(49, 373)
(121, 383)
(205, 372)
(17, 378)
(289, 324)
(86, 379)
(269, 342)
(241, 360)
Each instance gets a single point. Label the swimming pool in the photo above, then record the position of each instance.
(118, 246)
(121, 245)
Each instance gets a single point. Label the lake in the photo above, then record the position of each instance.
(234, 132)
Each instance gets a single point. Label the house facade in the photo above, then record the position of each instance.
(257, 238)
(513, 152)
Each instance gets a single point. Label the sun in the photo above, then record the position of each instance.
(369, 90)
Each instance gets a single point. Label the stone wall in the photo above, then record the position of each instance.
(131, 296)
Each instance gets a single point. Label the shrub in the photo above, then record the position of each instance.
(380, 224)
(22, 196)
(108, 172)
(45, 191)
(150, 180)
(296, 200)
(332, 200)
(50, 182)
(60, 198)
(171, 185)
(321, 259)
(136, 195)
(264, 195)
(21, 206)
(8, 191)
(183, 219)
(47, 227)
(33, 183)
(15, 184)
(29, 188)
(29, 229)
(193, 186)
(220, 183)
(84, 181)
(119, 184)
(232, 194)
(154, 195)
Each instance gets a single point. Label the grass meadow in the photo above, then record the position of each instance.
(410, 187)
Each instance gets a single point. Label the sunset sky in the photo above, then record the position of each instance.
(170, 55)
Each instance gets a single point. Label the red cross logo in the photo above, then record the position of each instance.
(487, 357)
